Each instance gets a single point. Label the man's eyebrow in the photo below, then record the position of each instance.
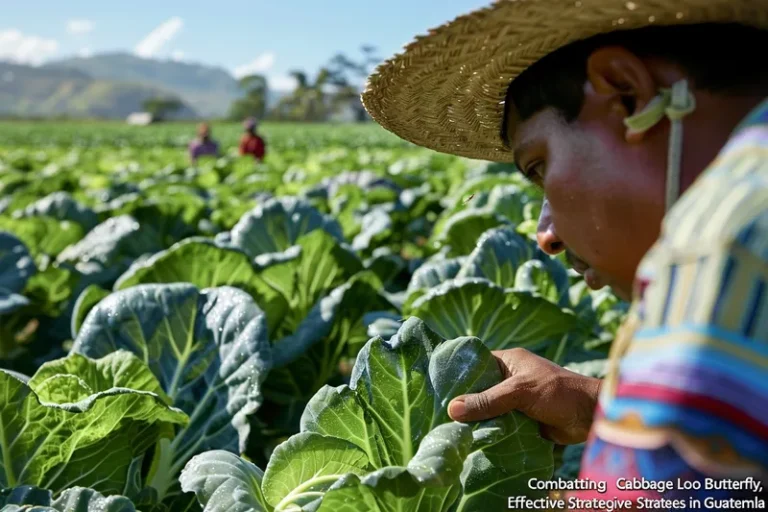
(518, 150)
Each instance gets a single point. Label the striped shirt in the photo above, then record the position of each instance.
(687, 391)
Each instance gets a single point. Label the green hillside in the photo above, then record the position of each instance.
(209, 90)
(50, 91)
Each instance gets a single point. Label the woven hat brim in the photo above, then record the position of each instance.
(446, 90)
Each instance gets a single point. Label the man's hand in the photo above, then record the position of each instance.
(561, 400)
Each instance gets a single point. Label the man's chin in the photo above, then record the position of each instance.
(594, 280)
(597, 281)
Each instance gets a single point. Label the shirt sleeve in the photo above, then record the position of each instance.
(689, 367)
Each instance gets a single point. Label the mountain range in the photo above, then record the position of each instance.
(113, 85)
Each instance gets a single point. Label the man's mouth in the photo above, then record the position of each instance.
(579, 265)
(591, 276)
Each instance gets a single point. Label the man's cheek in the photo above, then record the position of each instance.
(568, 198)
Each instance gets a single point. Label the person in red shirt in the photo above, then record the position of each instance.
(251, 143)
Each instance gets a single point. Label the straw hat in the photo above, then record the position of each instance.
(446, 90)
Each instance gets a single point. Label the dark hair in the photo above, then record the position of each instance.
(712, 55)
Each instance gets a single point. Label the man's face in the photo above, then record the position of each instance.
(604, 195)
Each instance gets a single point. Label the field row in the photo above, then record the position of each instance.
(232, 336)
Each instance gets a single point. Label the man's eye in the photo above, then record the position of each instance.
(535, 172)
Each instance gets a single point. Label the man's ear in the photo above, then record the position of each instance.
(617, 72)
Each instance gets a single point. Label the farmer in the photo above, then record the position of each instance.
(203, 145)
(251, 143)
(646, 125)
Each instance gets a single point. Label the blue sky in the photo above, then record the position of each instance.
(268, 36)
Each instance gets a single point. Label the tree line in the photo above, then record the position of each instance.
(314, 99)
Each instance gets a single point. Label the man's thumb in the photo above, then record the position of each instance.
(491, 403)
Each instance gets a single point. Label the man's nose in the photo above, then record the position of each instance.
(546, 236)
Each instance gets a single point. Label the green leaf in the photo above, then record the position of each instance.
(391, 489)
(76, 499)
(206, 265)
(385, 442)
(546, 277)
(82, 422)
(16, 267)
(307, 272)
(433, 273)
(375, 226)
(223, 482)
(277, 225)
(44, 235)
(51, 290)
(87, 500)
(76, 377)
(441, 454)
(309, 358)
(25, 495)
(508, 201)
(463, 229)
(485, 181)
(88, 298)
(386, 264)
(304, 467)
(392, 380)
(63, 207)
(429, 275)
(501, 318)
(609, 309)
(458, 367)
(508, 453)
(382, 324)
(172, 215)
(209, 351)
(335, 411)
(499, 254)
(109, 248)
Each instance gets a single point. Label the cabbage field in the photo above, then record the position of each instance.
(231, 337)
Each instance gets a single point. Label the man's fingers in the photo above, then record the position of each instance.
(493, 402)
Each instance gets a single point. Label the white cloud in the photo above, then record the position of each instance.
(261, 64)
(26, 49)
(177, 55)
(158, 38)
(283, 83)
(84, 52)
(78, 27)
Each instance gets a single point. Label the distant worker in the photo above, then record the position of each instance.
(252, 143)
(203, 145)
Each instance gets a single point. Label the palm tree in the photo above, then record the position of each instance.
(254, 103)
(347, 75)
(309, 100)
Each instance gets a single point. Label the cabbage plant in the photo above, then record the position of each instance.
(77, 499)
(208, 350)
(16, 267)
(82, 422)
(385, 441)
